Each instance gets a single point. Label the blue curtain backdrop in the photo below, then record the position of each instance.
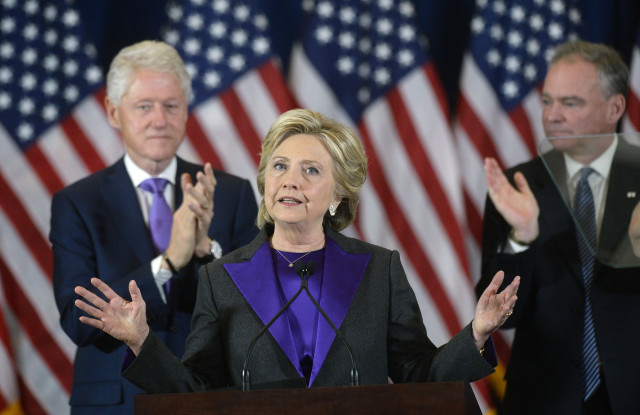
(113, 24)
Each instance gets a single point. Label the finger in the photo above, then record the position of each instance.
(134, 291)
(89, 309)
(92, 322)
(521, 183)
(104, 289)
(90, 297)
(185, 180)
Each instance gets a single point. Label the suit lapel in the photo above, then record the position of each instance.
(343, 273)
(126, 211)
(257, 282)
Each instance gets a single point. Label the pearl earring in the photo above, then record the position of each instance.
(332, 210)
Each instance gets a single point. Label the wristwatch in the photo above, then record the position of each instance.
(214, 253)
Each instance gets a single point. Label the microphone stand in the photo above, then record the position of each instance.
(305, 271)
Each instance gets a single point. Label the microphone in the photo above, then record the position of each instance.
(246, 376)
(305, 271)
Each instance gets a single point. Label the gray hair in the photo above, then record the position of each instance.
(612, 71)
(150, 55)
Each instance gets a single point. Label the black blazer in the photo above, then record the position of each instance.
(97, 229)
(382, 324)
(544, 371)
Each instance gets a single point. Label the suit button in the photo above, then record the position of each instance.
(174, 329)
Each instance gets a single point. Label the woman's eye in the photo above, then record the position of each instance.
(279, 166)
(311, 170)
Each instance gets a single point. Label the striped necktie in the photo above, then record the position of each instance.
(584, 211)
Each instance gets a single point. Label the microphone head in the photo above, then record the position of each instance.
(300, 267)
(311, 267)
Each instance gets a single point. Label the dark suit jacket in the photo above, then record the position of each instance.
(544, 372)
(97, 229)
(364, 291)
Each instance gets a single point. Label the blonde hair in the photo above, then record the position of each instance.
(150, 55)
(349, 165)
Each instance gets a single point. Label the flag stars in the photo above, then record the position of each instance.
(195, 22)
(175, 13)
(5, 100)
(496, 32)
(192, 69)
(31, 7)
(384, 27)
(51, 37)
(365, 21)
(517, 14)
(345, 65)
(574, 16)
(555, 31)
(364, 95)
(364, 70)
(70, 68)
(499, 7)
(215, 54)
(70, 18)
(221, 6)
(512, 64)
(530, 72)
(212, 79)
(7, 25)
(477, 25)
(93, 75)
(71, 93)
(382, 76)
(50, 87)
(510, 89)
(406, 58)
(383, 51)
(49, 112)
(407, 33)
(364, 45)
(325, 9)
(172, 37)
(533, 47)
(241, 13)
(6, 50)
(26, 106)
(5, 75)
(493, 57)
(536, 22)
(70, 44)
(192, 46)
(28, 81)
(514, 38)
(324, 34)
(239, 37)
(385, 5)
(261, 22)
(347, 40)
(261, 46)
(29, 56)
(217, 29)
(30, 32)
(347, 15)
(237, 62)
(557, 7)
(25, 132)
(406, 9)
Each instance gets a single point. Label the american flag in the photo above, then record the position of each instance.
(239, 86)
(632, 118)
(54, 131)
(498, 109)
(51, 125)
(364, 64)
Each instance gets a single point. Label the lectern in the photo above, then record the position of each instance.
(450, 398)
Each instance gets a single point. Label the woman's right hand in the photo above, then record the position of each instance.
(122, 319)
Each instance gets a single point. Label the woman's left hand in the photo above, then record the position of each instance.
(494, 309)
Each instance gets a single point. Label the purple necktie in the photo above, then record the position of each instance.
(160, 216)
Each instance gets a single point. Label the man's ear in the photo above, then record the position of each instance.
(112, 113)
(616, 107)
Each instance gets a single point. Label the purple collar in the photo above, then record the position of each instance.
(342, 275)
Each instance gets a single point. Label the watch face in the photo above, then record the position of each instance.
(216, 249)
